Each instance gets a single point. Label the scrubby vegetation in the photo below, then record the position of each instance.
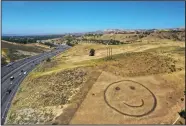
(48, 59)
(92, 52)
(16, 51)
(182, 114)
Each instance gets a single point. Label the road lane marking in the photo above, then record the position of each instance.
(13, 85)
(6, 108)
(11, 96)
(24, 65)
(17, 63)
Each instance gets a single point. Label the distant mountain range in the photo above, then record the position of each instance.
(105, 31)
(132, 30)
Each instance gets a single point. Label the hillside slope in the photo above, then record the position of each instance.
(133, 37)
(13, 51)
(62, 91)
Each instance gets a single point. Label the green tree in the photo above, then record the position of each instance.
(3, 61)
(182, 114)
(92, 52)
(48, 59)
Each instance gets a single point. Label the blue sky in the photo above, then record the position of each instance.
(62, 17)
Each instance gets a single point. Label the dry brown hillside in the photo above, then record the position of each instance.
(75, 88)
(176, 36)
(139, 37)
(15, 51)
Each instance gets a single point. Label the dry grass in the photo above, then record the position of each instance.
(138, 64)
(30, 47)
(18, 51)
(38, 45)
(58, 90)
(4, 53)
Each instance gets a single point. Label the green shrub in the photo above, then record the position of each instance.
(48, 59)
(182, 114)
(70, 44)
(92, 52)
(3, 61)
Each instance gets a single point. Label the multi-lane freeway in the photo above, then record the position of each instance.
(19, 70)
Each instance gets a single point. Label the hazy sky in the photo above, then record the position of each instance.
(61, 17)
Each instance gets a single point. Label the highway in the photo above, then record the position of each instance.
(27, 64)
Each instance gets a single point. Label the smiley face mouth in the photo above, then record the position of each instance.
(114, 94)
(135, 106)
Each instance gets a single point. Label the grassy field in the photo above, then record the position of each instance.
(62, 91)
(18, 51)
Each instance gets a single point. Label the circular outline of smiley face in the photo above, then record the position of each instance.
(151, 110)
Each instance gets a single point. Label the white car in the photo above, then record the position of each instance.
(20, 74)
(25, 72)
(11, 78)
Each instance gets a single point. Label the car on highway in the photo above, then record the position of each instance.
(9, 64)
(25, 72)
(12, 77)
(9, 91)
(11, 83)
(19, 74)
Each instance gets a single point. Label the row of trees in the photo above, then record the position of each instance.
(49, 44)
(19, 40)
(96, 35)
(28, 39)
(70, 40)
(105, 42)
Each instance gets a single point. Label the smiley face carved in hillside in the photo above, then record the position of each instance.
(130, 98)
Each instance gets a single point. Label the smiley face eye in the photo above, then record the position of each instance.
(132, 87)
(117, 88)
